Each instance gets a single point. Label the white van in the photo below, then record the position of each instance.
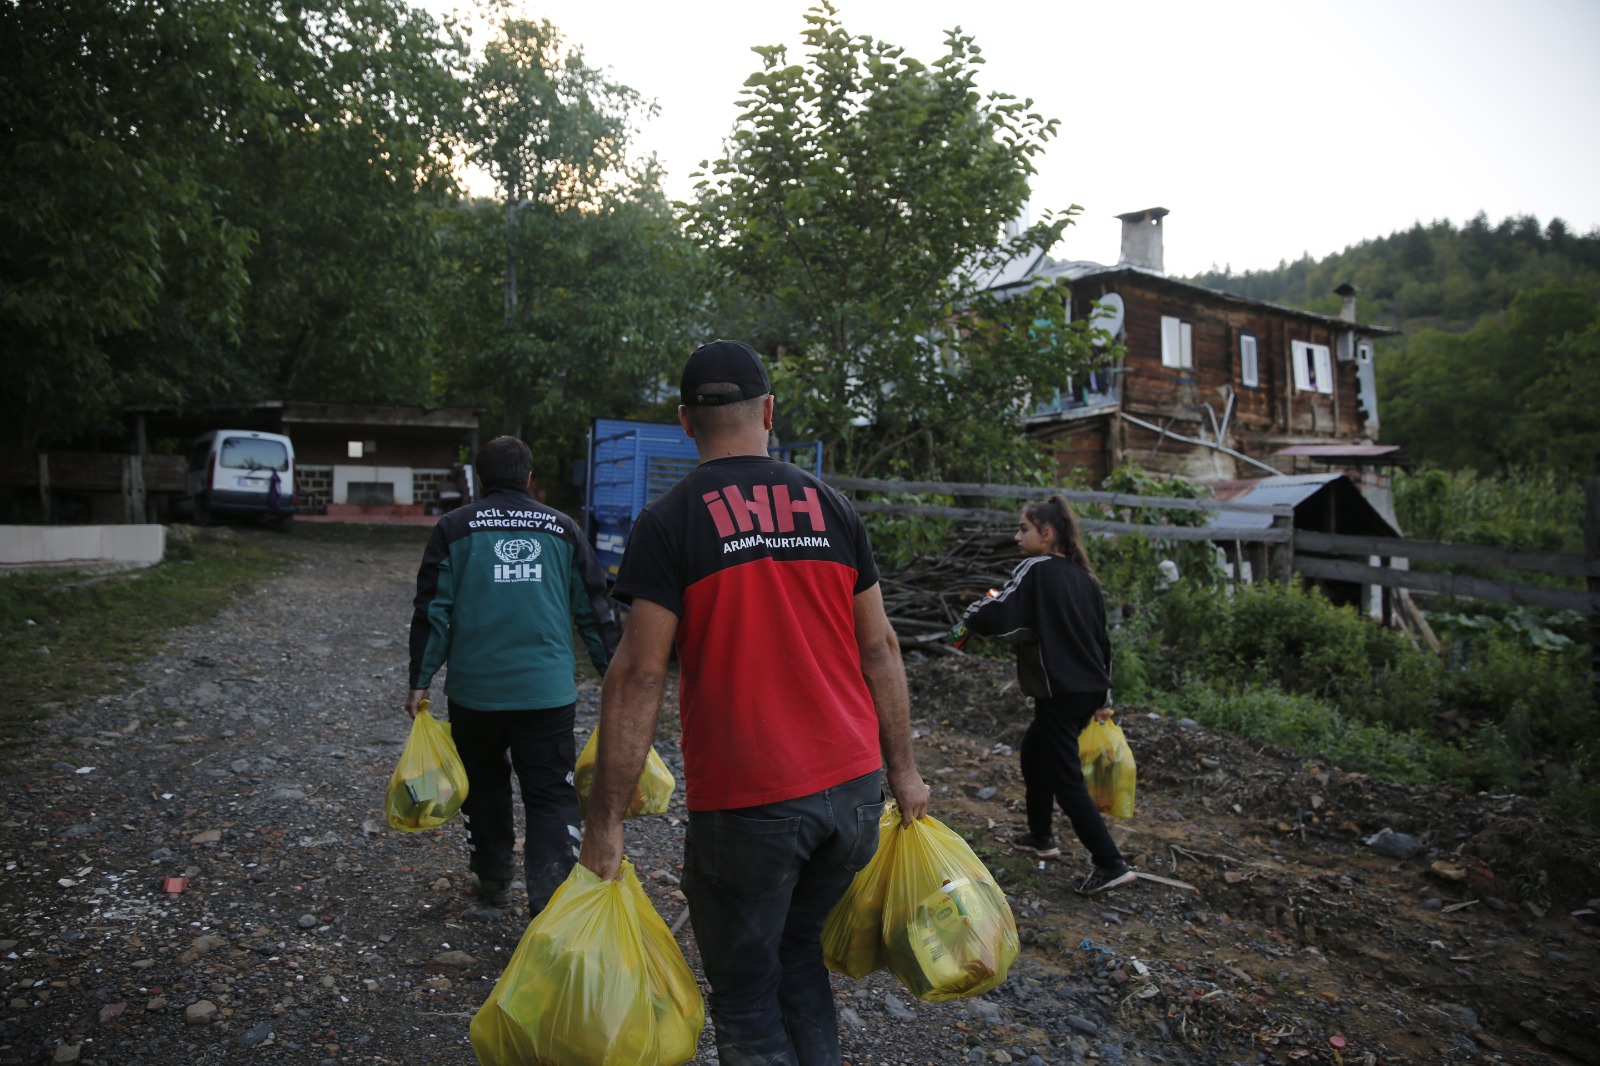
(242, 472)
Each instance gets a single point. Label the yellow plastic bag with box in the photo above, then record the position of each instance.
(928, 909)
(1108, 767)
(652, 795)
(429, 783)
(597, 980)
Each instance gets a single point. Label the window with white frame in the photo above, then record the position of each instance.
(1313, 367)
(1177, 342)
(1249, 366)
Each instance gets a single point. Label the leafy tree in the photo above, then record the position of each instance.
(1518, 390)
(218, 198)
(566, 300)
(598, 325)
(341, 180)
(107, 114)
(861, 200)
(553, 132)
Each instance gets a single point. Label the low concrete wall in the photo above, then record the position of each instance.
(25, 545)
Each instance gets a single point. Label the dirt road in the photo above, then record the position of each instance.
(250, 758)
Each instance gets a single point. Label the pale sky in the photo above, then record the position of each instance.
(1267, 129)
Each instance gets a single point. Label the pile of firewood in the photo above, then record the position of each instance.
(925, 598)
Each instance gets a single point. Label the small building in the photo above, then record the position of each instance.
(400, 459)
(1323, 503)
(1213, 385)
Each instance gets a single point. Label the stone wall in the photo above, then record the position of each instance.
(313, 487)
(425, 486)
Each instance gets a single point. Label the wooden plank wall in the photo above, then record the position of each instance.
(1175, 397)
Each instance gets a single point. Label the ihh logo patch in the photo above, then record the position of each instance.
(516, 555)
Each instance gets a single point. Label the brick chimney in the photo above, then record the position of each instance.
(1141, 239)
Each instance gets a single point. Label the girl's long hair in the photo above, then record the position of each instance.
(1055, 513)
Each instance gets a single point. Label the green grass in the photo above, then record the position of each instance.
(95, 625)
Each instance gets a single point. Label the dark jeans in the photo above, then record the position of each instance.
(760, 881)
(538, 746)
(1052, 773)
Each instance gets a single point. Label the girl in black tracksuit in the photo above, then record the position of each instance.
(1052, 610)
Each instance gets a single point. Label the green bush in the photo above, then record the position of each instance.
(1309, 726)
(1540, 700)
(1293, 639)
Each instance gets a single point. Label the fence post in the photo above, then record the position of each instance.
(44, 487)
(1284, 571)
(1591, 551)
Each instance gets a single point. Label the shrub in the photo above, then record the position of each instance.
(1309, 726)
(1293, 639)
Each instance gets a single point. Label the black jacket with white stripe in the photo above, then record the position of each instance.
(1054, 613)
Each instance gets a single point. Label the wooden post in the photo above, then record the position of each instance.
(44, 487)
(1591, 550)
(1283, 573)
(142, 508)
(133, 488)
(1386, 598)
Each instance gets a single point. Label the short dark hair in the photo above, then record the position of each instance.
(504, 460)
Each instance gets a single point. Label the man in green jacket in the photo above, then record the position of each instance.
(502, 581)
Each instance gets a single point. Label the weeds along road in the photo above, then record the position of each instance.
(250, 754)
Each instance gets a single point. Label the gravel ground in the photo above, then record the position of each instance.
(251, 757)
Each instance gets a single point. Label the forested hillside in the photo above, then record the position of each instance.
(1434, 275)
(1498, 365)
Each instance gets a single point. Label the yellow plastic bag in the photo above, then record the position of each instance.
(1108, 767)
(597, 980)
(943, 927)
(652, 795)
(429, 782)
(852, 935)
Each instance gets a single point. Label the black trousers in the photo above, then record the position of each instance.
(1052, 774)
(538, 746)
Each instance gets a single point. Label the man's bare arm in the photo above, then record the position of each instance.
(630, 704)
(886, 680)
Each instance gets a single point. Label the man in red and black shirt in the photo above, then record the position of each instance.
(792, 695)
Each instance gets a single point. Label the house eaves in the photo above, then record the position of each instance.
(1080, 270)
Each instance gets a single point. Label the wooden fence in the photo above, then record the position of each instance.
(1327, 556)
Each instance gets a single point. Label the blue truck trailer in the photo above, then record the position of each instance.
(631, 463)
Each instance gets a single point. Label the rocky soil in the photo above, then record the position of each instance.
(250, 758)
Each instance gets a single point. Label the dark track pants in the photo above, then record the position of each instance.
(1052, 774)
(538, 746)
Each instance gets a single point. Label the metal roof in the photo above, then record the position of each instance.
(1294, 490)
(1080, 269)
(1339, 451)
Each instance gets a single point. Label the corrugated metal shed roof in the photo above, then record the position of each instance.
(1295, 490)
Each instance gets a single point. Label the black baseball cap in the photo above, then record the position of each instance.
(731, 362)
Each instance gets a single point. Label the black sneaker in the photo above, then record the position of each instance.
(493, 893)
(1103, 880)
(1045, 847)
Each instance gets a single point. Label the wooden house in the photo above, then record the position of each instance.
(1213, 385)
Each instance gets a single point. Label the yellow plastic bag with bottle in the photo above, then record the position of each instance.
(597, 980)
(1108, 768)
(928, 909)
(652, 795)
(429, 783)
